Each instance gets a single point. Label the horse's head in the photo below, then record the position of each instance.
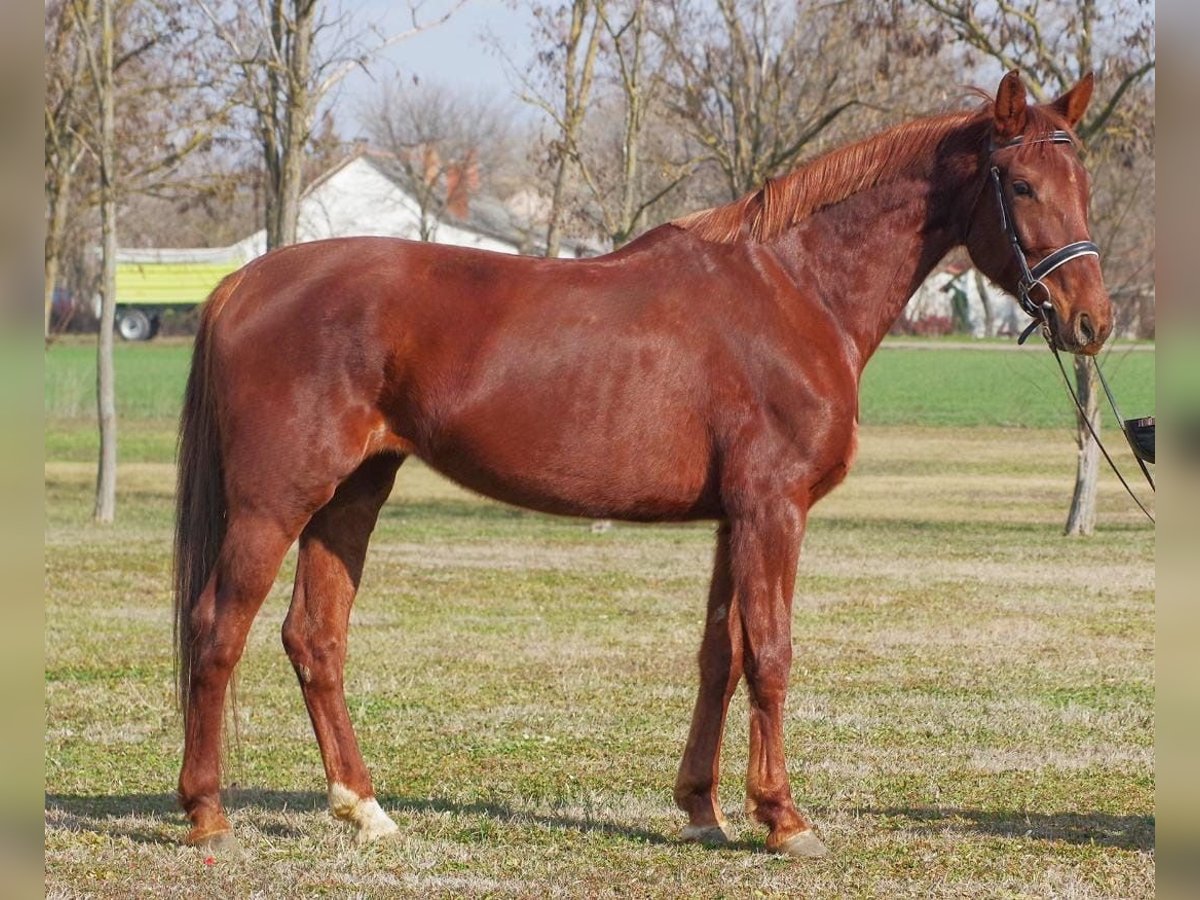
(1029, 227)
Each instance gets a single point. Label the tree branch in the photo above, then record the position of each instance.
(1097, 123)
(347, 66)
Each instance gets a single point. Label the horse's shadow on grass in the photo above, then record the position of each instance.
(120, 815)
(125, 815)
(1103, 830)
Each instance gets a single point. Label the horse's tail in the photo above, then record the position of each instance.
(200, 506)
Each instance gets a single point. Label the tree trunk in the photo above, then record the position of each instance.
(1081, 520)
(54, 232)
(286, 120)
(298, 116)
(631, 81)
(554, 227)
(287, 198)
(59, 202)
(577, 86)
(106, 397)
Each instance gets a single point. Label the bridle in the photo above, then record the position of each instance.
(1031, 277)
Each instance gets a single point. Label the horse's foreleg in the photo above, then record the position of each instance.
(720, 671)
(766, 546)
(220, 620)
(333, 548)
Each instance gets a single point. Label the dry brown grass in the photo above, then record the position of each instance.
(971, 711)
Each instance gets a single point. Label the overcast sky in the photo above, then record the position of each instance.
(456, 53)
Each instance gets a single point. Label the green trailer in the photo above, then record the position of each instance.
(147, 289)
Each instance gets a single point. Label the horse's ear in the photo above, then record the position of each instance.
(1009, 117)
(1072, 104)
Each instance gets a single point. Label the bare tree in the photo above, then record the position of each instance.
(166, 113)
(95, 23)
(66, 21)
(1055, 43)
(560, 85)
(755, 82)
(289, 54)
(106, 378)
(126, 105)
(442, 146)
(612, 159)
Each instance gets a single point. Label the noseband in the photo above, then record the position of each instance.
(1031, 277)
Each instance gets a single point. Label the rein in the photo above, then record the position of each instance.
(1042, 313)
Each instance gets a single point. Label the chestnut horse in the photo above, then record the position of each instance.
(707, 370)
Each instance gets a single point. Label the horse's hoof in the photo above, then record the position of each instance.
(371, 822)
(710, 835)
(805, 845)
(374, 830)
(222, 842)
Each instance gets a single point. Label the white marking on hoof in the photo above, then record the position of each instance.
(805, 845)
(364, 812)
(219, 843)
(706, 834)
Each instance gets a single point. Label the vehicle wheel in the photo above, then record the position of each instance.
(134, 325)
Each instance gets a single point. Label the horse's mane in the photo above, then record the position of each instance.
(839, 174)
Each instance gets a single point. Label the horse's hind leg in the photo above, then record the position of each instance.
(220, 619)
(333, 547)
(720, 671)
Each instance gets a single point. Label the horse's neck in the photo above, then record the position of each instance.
(866, 256)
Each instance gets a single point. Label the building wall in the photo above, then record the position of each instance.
(358, 199)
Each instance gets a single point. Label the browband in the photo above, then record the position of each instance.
(1054, 137)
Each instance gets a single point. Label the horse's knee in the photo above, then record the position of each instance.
(296, 646)
(295, 643)
(317, 658)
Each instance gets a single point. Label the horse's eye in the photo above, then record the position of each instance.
(1022, 189)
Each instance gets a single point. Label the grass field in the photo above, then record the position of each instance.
(972, 699)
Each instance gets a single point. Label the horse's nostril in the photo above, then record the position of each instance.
(1087, 334)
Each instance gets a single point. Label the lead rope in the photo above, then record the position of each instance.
(1112, 401)
(1088, 422)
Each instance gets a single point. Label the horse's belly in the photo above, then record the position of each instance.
(614, 477)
